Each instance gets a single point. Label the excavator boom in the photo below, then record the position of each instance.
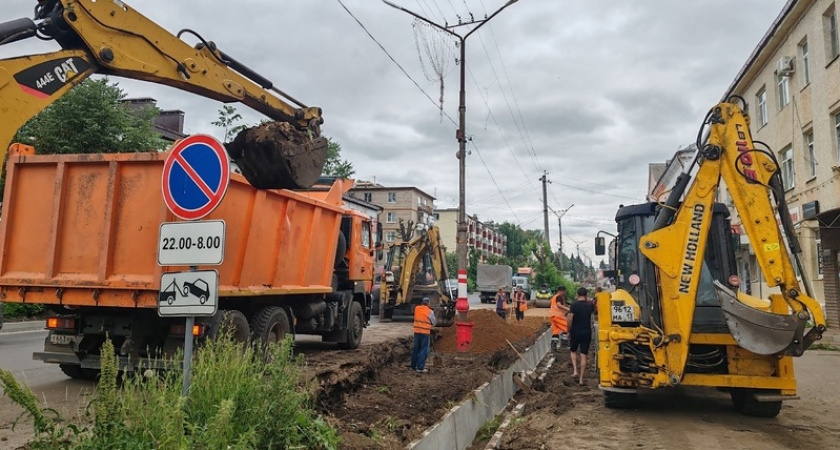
(111, 38)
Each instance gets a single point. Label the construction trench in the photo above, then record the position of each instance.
(376, 402)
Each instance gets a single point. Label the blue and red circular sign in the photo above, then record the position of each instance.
(195, 177)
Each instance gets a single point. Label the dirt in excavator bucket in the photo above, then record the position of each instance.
(276, 155)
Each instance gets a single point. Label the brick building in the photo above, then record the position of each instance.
(480, 236)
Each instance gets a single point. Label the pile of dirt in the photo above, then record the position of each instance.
(376, 402)
(491, 334)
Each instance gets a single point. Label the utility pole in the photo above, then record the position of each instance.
(545, 181)
(560, 229)
(461, 133)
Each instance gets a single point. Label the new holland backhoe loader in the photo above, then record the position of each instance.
(677, 317)
(109, 37)
(414, 269)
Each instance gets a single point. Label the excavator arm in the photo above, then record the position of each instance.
(751, 175)
(111, 38)
(400, 288)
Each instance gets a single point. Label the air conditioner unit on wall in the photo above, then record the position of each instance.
(785, 66)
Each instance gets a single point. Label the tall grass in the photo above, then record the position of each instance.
(238, 399)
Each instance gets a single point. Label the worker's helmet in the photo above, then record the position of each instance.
(426, 300)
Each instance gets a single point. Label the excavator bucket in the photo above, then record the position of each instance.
(760, 332)
(445, 316)
(276, 155)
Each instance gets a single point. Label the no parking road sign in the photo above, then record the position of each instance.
(195, 177)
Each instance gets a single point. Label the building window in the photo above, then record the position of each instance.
(806, 66)
(831, 42)
(391, 218)
(783, 82)
(786, 156)
(368, 197)
(392, 197)
(837, 134)
(761, 101)
(810, 156)
(391, 236)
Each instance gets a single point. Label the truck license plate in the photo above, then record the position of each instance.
(61, 339)
(622, 313)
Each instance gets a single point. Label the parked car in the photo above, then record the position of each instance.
(452, 287)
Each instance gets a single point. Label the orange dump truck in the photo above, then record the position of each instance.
(80, 233)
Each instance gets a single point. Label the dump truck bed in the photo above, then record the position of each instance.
(82, 230)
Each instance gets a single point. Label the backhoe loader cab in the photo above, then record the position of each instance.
(635, 221)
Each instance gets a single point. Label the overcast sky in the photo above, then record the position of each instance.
(589, 91)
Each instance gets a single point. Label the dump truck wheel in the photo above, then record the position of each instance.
(270, 325)
(746, 404)
(232, 322)
(355, 327)
(619, 400)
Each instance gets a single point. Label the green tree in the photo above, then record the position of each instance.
(452, 264)
(92, 119)
(335, 166)
(228, 118)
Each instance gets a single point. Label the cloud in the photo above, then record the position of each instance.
(589, 92)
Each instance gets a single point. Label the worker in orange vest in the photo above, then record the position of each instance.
(424, 320)
(557, 316)
(520, 302)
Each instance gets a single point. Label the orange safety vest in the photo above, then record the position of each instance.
(422, 325)
(557, 317)
(521, 303)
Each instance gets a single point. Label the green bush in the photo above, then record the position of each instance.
(239, 399)
(22, 309)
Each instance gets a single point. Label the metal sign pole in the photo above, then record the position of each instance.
(188, 351)
(188, 348)
(188, 343)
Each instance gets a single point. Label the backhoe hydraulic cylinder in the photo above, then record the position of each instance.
(16, 30)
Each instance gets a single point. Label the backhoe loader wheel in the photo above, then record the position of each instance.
(745, 403)
(354, 328)
(619, 400)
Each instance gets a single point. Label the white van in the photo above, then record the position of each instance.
(524, 284)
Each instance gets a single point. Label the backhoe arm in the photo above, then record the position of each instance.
(109, 37)
(751, 176)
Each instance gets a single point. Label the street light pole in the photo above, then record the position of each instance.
(560, 229)
(461, 133)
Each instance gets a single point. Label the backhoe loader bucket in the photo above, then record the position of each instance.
(276, 155)
(445, 316)
(757, 331)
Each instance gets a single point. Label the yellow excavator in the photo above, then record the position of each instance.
(677, 317)
(414, 269)
(108, 37)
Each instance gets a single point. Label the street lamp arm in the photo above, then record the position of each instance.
(419, 17)
(510, 2)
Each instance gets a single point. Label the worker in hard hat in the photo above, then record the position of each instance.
(557, 316)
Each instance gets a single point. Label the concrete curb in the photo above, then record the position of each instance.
(458, 427)
(12, 327)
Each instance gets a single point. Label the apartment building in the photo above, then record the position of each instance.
(408, 203)
(480, 236)
(791, 82)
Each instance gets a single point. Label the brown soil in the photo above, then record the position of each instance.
(276, 155)
(376, 402)
(559, 393)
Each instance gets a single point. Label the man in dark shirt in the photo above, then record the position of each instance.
(580, 332)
